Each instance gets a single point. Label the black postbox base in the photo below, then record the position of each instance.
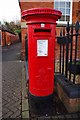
(41, 105)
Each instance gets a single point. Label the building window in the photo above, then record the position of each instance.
(65, 6)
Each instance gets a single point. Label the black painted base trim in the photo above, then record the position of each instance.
(41, 105)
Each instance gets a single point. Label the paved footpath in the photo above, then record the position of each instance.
(11, 81)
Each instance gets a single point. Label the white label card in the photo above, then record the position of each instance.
(42, 47)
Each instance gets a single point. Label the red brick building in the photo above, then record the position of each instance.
(70, 12)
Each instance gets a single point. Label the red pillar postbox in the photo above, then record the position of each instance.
(41, 43)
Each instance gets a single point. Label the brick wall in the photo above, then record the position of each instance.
(28, 5)
(79, 48)
(76, 12)
(57, 47)
(11, 38)
(8, 38)
(23, 34)
(14, 38)
(8, 41)
(0, 36)
(3, 38)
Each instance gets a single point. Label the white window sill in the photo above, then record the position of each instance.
(63, 22)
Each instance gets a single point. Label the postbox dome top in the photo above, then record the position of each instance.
(41, 11)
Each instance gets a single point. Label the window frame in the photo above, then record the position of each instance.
(71, 2)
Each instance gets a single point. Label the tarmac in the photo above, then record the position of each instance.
(15, 102)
